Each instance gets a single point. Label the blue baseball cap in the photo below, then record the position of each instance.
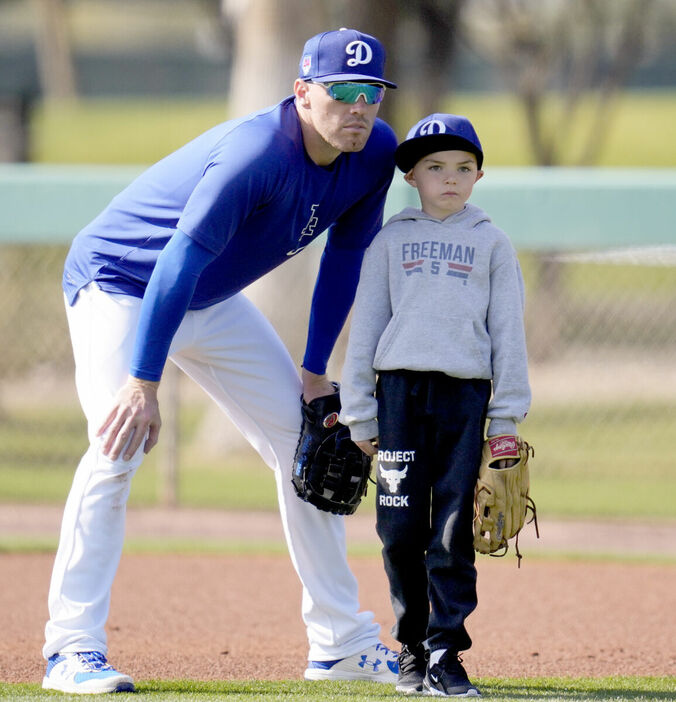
(438, 132)
(343, 55)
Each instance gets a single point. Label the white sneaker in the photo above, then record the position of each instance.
(86, 673)
(375, 663)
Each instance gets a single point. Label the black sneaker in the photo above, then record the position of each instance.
(448, 678)
(412, 667)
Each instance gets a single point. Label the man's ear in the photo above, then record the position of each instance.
(301, 89)
(410, 179)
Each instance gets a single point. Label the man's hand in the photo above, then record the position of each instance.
(315, 385)
(135, 413)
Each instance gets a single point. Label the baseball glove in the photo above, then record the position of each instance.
(501, 499)
(329, 470)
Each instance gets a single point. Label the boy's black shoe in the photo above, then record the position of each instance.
(412, 667)
(448, 678)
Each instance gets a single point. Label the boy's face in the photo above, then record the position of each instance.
(444, 180)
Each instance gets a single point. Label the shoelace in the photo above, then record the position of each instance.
(451, 662)
(408, 660)
(94, 660)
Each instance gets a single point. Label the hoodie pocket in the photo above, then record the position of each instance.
(429, 340)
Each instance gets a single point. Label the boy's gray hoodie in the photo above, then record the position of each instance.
(438, 296)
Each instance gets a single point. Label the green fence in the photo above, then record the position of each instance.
(541, 208)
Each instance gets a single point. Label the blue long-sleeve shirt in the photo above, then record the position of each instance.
(235, 203)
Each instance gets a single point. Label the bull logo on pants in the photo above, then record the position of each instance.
(393, 477)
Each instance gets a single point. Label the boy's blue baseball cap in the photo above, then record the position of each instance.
(438, 132)
(343, 55)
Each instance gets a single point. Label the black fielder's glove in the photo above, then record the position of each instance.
(329, 470)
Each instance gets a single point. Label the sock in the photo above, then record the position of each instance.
(436, 655)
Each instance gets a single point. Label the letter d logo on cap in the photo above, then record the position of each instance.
(362, 53)
(434, 126)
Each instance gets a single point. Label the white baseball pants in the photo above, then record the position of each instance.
(232, 351)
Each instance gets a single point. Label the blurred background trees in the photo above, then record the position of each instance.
(579, 49)
(564, 61)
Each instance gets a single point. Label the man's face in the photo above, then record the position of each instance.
(339, 126)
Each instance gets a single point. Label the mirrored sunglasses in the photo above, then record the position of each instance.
(350, 92)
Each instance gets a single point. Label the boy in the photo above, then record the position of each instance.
(438, 318)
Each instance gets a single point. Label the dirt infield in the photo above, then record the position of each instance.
(237, 617)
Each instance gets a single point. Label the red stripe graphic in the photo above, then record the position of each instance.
(460, 267)
(413, 264)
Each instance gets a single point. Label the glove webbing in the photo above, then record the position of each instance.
(530, 507)
(335, 477)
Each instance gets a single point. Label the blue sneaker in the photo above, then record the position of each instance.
(86, 673)
(375, 663)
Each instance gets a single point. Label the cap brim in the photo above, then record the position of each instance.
(409, 152)
(353, 77)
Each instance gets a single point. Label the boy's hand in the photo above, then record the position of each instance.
(368, 446)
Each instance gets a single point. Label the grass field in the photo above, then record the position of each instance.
(565, 470)
(570, 477)
(616, 689)
(499, 122)
(134, 131)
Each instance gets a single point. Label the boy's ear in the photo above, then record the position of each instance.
(410, 179)
(479, 175)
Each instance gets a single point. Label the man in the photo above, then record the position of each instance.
(159, 274)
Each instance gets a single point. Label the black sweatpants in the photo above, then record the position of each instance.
(430, 430)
